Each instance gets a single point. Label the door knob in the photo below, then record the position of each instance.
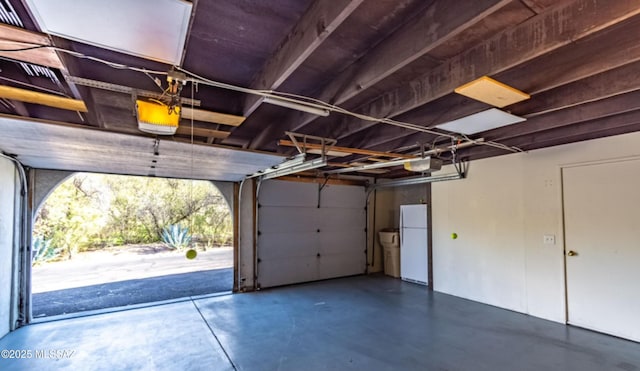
(572, 253)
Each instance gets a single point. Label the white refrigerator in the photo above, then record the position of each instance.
(414, 258)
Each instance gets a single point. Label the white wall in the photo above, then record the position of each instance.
(500, 213)
(7, 202)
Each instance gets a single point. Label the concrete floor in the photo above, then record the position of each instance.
(360, 323)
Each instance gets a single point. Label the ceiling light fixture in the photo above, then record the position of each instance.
(157, 118)
(490, 91)
(156, 30)
(481, 121)
(297, 106)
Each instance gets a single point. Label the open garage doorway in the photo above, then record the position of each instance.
(104, 241)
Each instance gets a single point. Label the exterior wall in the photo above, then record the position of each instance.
(45, 182)
(227, 191)
(7, 227)
(500, 213)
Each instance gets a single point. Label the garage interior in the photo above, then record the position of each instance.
(514, 121)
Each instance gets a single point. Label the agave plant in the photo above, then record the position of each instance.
(43, 250)
(176, 236)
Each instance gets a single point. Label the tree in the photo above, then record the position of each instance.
(71, 217)
(92, 210)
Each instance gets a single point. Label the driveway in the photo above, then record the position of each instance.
(141, 274)
(117, 294)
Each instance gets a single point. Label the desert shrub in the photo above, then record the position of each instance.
(176, 236)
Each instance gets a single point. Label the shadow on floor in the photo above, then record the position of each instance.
(116, 294)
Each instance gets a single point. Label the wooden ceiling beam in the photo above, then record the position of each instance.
(72, 68)
(211, 116)
(560, 80)
(358, 151)
(202, 132)
(603, 85)
(607, 126)
(589, 111)
(439, 23)
(17, 38)
(322, 180)
(19, 108)
(581, 59)
(315, 25)
(44, 99)
(586, 111)
(561, 25)
(600, 86)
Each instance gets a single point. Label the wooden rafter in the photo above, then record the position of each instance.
(44, 99)
(438, 23)
(202, 132)
(549, 91)
(588, 111)
(211, 116)
(17, 38)
(600, 86)
(356, 151)
(606, 126)
(504, 50)
(319, 21)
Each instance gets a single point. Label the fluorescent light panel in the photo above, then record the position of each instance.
(481, 121)
(490, 91)
(152, 29)
(296, 106)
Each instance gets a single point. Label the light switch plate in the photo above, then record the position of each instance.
(549, 239)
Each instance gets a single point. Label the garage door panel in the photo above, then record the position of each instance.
(300, 242)
(341, 242)
(279, 193)
(340, 265)
(285, 271)
(341, 219)
(287, 219)
(341, 196)
(285, 245)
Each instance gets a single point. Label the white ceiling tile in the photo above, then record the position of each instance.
(153, 29)
(481, 121)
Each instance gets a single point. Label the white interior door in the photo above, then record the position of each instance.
(602, 243)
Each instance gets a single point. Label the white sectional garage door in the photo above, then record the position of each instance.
(300, 242)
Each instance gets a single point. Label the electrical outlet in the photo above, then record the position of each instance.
(549, 239)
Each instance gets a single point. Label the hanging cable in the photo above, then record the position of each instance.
(288, 97)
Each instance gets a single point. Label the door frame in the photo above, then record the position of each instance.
(561, 168)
